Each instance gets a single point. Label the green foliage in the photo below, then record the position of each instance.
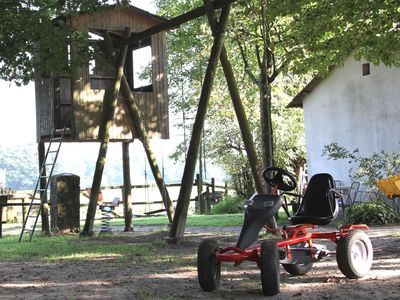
(20, 165)
(371, 213)
(228, 205)
(247, 42)
(30, 37)
(329, 31)
(368, 169)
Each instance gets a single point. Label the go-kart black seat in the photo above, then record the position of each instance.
(319, 205)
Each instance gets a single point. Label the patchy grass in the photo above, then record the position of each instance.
(68, 248)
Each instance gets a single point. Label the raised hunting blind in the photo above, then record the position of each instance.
(76, 101)
(78, 98)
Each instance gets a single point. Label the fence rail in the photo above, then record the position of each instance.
(207, 191)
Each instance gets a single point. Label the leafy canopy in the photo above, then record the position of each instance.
(25, 24)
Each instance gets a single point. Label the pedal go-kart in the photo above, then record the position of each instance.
(296, 251)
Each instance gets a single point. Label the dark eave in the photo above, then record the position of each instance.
(298, 99)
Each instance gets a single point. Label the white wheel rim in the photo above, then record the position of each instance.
(359, 256)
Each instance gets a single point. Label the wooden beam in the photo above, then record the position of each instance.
(170, 24)
(127, 187)
(107, 121)
(240, 112)
(180, 217)
(139, 128)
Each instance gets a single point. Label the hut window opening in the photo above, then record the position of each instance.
(138, 68)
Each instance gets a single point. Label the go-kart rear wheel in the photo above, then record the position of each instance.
(270, 277)
(298, 269)
(208, 268)
(354, 254)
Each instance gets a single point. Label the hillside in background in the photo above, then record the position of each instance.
(20, 169)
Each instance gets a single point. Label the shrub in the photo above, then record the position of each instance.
(228, 205)
(371, 213)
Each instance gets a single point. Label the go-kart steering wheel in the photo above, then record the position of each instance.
(279, 178)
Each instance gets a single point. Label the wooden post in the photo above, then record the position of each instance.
(107, 121)
(213, 189)
(45, 206)
(127, 187)
(140, 130)
(179, 222)
(240, 112)
(200, 198)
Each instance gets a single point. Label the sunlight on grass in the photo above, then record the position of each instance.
(68, 248)
(84, 256)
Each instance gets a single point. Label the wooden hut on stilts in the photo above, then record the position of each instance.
(88, 101)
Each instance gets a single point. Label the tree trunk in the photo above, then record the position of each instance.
(127, 188)
(107, 122)
(179, 222)
(239, 110)
(266, 122)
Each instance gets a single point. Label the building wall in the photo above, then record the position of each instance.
(354, 111)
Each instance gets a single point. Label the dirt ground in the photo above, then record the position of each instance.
(174, 276)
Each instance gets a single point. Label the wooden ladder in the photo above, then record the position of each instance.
(46, 171)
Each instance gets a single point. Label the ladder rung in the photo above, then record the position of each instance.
(41, 190)
(28, 229)
(44, 176)
(52, 151)
(55, 139)
(48, 164)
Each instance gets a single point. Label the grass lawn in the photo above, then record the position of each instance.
(197, 220)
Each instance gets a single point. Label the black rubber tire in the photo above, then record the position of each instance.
(208, 269)
(270, 276)
(354, 254)
(298, 269)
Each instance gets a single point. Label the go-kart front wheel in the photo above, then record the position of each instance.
(208, 268)
(354, 254)
(270, 277)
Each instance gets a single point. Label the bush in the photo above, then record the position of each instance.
(228, 205)
(371, 213)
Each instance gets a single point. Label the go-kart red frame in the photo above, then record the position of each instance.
(294, 235)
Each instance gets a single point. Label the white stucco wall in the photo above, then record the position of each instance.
(354, 111)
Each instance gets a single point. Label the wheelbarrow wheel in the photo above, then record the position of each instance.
(208, 268)
(298, 269)
(354, 254)
(270, 277)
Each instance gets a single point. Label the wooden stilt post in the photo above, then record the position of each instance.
(127, 187)
(45, 205)
(140, 130)
(104, 134)
(179, 222)
(239, 110)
